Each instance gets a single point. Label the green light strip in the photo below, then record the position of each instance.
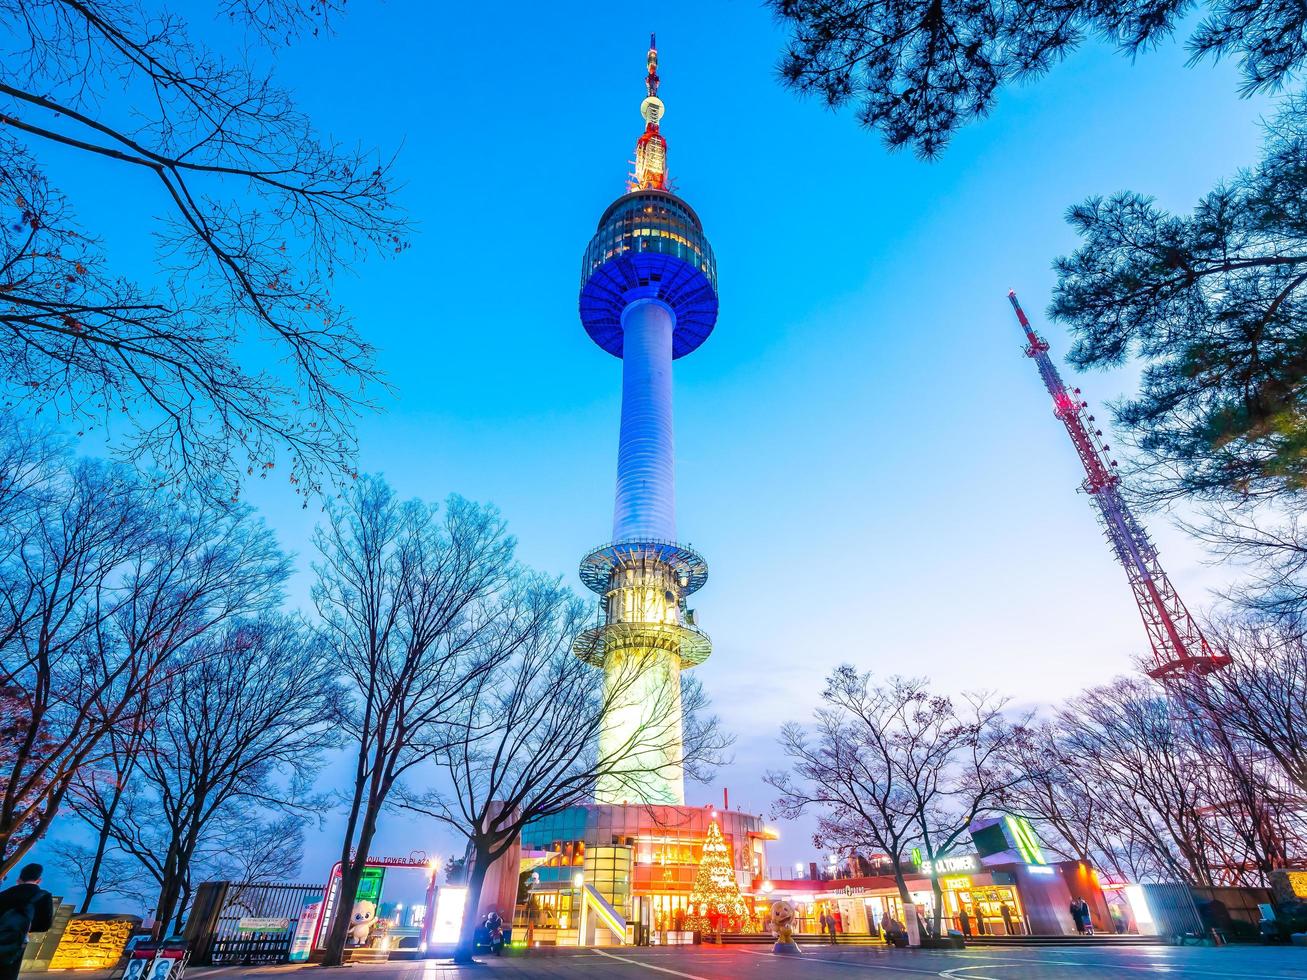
(1024, 836)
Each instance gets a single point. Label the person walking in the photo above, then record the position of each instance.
(1007, 918)
(1086, 918)
(24, 908)
(1077, 916)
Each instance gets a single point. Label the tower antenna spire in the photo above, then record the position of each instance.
(1178, 644)
(651, 148)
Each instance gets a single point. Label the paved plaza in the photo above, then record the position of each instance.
(757, 963)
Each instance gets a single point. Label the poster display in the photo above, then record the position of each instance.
(305, 929)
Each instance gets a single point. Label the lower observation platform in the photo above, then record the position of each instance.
(686, 564)
(594, 645)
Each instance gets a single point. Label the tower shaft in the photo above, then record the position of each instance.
(648, 295)
(1178, 644)
(645, 503)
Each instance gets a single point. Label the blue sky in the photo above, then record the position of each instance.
(865, 457)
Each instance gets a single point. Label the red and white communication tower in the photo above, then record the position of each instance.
(1179, 647)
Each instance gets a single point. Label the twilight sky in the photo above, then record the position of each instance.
(866, 459)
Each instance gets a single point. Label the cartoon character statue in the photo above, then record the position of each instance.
(782, 918)
(360, 922)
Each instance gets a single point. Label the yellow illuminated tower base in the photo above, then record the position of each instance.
(647, 637)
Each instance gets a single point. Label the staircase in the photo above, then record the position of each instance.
(1106, 939)
(766, 938)
(1109, 939)
(366, 954)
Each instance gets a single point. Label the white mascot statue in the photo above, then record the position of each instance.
(360, 922)
(782, 918)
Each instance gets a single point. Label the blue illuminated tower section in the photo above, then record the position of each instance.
(648, 296)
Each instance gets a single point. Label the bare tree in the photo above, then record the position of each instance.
(1137, 750)
(102, 871)
(527, 742)
(407, 598)
(97, 793)
(235, 732)
(255, 213)
(1261, 697)
(1075, 819)
(103, 582)
(892, 765)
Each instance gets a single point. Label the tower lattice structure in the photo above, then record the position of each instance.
(648, 296)
(1182, 655)
(1179, 647)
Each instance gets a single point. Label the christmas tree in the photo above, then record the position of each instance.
(715, 901)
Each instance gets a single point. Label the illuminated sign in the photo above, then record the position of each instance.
(854, 889)
(418, 859)
(1023, 836)
(949, 865)
(370, 885)
(449, 914)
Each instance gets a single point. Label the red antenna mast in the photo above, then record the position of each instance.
(1179, 647)
(651, 148)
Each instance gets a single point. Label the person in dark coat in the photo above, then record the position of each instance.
(1077, 916)
(24, 908)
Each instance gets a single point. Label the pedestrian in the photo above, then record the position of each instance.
(887, 926)
(1078, 916)
(966, 923)
(1007, 918)
(24, 908)
(1086, 918)
(833, 924)
(822, 927)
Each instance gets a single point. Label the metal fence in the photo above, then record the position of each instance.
(214, 927)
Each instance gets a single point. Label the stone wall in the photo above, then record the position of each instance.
(93, 942)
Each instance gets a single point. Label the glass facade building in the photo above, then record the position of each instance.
(641, 859)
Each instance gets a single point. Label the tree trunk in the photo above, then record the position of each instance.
(93, 876)
(101, 845)
(909, 910)
(168, 898)
(467, 934)
(938, 894)
(351, 871)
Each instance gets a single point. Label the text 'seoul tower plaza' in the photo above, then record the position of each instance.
(648, 296)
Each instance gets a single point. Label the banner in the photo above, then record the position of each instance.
(302, 941)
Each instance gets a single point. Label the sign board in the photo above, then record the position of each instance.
(305, 929)
(449, 914)
(418, 859)
(262, 923)
(959, 863)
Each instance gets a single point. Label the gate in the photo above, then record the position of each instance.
(214, 931)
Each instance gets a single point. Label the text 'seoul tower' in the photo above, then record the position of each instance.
(648, 296)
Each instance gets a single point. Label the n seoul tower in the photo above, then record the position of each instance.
(648, 296)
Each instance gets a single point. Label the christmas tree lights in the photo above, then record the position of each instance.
(716, 904)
